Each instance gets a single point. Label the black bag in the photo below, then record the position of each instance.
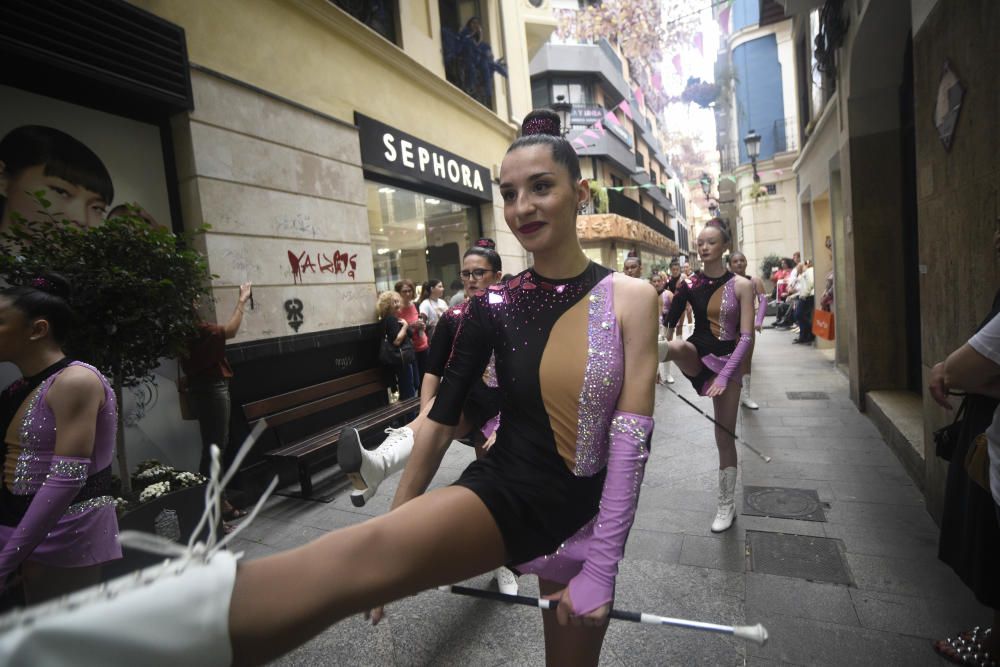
(946, 437)
(396, 357)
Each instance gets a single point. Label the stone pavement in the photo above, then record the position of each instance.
(901, 597)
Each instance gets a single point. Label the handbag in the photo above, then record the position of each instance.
(823, 324)
(184, 397)
(396, 357)
(946, 437)
(977, 462)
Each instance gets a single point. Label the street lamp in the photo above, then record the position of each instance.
(752, 141)
(565, 112)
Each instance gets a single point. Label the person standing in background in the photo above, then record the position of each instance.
(207, 374)
(431, 305)
(416, 327)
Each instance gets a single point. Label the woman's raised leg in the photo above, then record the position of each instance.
(568, 644)
(281, 601)
(685, 355)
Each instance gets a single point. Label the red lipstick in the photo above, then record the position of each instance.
(530, 227)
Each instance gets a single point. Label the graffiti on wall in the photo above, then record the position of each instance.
(320, 262)
(293, 310)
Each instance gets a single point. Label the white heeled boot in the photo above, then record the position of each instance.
(727, 500)
(367, 469)
(670, 378)
(745, 395)
(506, 581)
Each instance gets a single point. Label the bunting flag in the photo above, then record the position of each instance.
(612, 119)
(600, 128)
(626, 109)
(724, 19)
(676, 60)
(591, 133)
(657, 81)
(640, 99)
(699, 42)
(583, 144)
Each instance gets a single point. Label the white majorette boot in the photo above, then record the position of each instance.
(745, 395)
(367, 469)
(506, 581)
(670, 377)
(727, 500)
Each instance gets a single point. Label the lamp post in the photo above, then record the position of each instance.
(565, 112)
(752, 141)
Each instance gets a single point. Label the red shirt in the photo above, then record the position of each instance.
(206, 358)
(419, 338)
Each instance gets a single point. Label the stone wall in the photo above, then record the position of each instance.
(284, 194)
(958, 191)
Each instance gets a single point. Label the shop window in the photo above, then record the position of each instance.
(417, 236)
(379, 15)
(772, 188)
(469, 62)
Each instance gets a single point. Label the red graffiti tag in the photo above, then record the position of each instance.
(340, 262)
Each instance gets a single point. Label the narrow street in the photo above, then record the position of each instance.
(875, 536)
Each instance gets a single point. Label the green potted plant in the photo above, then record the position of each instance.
(134, 283)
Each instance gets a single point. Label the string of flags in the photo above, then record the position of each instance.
(597, 129)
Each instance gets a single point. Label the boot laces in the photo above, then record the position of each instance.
(396, 436)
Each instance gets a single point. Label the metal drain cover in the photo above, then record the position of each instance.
(799, 556)
(782, 503)
(807, 395)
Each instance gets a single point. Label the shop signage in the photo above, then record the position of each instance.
(394, 153)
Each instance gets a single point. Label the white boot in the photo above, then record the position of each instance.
(745, 395)
(367, 469)
(670, 377)
(506, 581)
(727, 500)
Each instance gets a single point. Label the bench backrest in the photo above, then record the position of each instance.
(294, 405)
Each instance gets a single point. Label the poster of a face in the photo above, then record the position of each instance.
(85, 163)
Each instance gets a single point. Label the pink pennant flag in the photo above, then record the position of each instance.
(626, 109)
(612, 119)
(676, 60)
(578, 140)
(591, 133)
(699, 42)
(600, 128)
(657, 81)
(724, 19)
(639, 97)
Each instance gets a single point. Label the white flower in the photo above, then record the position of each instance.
(154, 472)
(154, 491)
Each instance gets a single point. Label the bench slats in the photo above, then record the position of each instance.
(276, 404)
(311, 408)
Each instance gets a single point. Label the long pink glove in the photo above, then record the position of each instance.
(735, 360)
(66, 477)
(628, 450)
(761, 310)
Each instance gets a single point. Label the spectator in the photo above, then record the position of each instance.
(969, 536)
(207, 374)
(785, 280)
(416, 326)
(632, 266)
(431, 305)
(459, 292)
(805, 291)
(394, 330)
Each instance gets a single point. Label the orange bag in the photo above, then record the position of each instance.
(823, 324)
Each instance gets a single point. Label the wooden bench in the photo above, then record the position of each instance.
(308, 452)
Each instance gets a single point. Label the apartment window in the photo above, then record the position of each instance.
(772, 188)
(615, 181)
(469, 60)
(382, 16)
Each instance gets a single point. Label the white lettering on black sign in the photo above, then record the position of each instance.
(459, 174)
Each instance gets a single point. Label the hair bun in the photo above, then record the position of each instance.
(488, 244)
(541, 121)
(50, 283)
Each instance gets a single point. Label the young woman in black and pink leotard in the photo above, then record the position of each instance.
(713, 358)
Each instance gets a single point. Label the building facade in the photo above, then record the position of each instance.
(899, 171)
(332, 147)
(755, 69)
(638, 206)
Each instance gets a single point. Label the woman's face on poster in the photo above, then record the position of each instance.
(67, 201)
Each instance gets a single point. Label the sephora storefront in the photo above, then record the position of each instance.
(423, 205)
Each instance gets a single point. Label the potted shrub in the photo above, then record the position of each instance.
(134, 283)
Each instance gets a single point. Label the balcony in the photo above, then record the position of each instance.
(781, 137)
(582, 59)
(608, 145)
(629, 208)
(469, 63)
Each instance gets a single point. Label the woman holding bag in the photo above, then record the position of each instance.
(396, 341)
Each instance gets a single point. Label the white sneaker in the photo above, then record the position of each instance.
(506, 581)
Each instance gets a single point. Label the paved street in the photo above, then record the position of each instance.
(900, 597)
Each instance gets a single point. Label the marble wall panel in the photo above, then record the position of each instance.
(269, 261)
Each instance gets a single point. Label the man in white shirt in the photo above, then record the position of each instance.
(805, 289)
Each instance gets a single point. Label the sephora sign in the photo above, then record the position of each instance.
(391, 152)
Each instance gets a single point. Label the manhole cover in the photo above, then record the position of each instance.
(782, 503)
(807, 395)
(799, 556)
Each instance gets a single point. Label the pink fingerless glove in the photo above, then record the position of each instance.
(735, 360)
(761, 310)
(66, 477)
(628, 450)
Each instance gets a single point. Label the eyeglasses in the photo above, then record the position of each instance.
(476, 274)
